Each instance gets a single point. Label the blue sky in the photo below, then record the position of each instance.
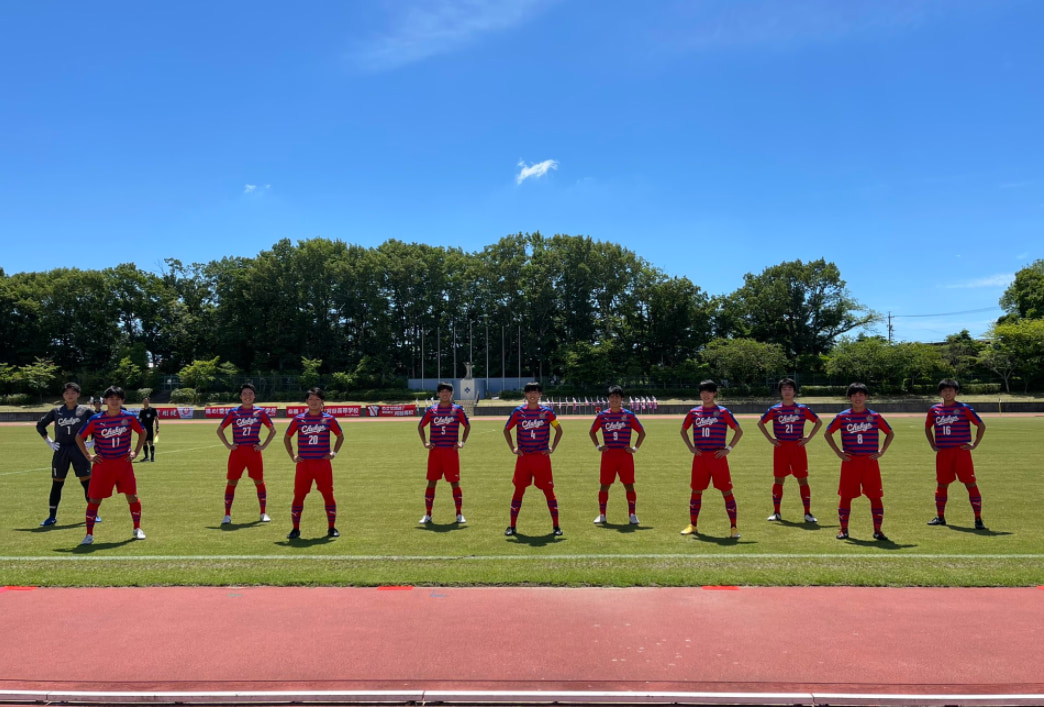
(900, 139)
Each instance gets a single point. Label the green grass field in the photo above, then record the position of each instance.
(379, 483)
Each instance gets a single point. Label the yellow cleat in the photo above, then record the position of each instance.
(690, 529)
(734, 533)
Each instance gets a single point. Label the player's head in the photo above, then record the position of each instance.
(444, 386)
(708, 386)
(71, 386)
(248, 386)
(857, 388)
(114, 391)
(533, 387)
(949, 383)
(787, 382)
(145, 401)
(317, 392)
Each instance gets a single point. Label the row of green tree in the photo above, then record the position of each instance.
(564, 308)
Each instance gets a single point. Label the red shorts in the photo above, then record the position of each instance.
(616, 461)
(790, 458)
(444, 462)
(109, 473)
(533, 469)
(245, 457)
(860, 476)
(706, 468)
(308, 470)
(954, 463)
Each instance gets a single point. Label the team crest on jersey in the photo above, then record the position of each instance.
(786, 419)
(109, 432)
(440, 421)
(705, 421)
(532, 424)
(859, 426)
(615, 426)
(313, 429)
(947, 419)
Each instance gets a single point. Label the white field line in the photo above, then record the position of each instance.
(498, 558)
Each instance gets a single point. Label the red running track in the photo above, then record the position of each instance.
(747, 645)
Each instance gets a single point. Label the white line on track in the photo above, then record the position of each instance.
(497, 558)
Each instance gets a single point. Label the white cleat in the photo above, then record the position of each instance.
(461, 518)
(227, 520)
(425, 519)
(633, 519)
(774, 517)
(600, 519)
(87, 540)
(264, 518)
(809, 518)
(734, 533)
(138, 534)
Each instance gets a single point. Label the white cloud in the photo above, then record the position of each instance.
(1001, 280)
(249, 188)
(425, 28)
(536, 171)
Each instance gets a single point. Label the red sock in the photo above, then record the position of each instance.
(806, 497)
(603, 501)
(135, 511)
(632, 498)
(262, 496)
(429, 499)
(777, 496)
(230, 494)
(695, 503)
(92, 511)
(458, 499)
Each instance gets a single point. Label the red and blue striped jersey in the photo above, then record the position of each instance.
(616, 427)
(112, 435)
(709, 426)
(952, 424)
(445, 424)
(246, 424)
(788, 421)
(534, 428)
(313, 433)
(859, 431)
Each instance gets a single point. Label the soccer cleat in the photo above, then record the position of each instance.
(774, 517)
(878, 535)
(461, 518)
(937, 520)
(690, 529)
(97, 519)
(87, 540)
(633, 519)
(734, 533)
(979, 525)
(227, 520)
(293, 534)
(264, 518)
(600, 519)
(509, 531)
(842, 535)
(138, 534)
(809, 518)
(556, 531)
(333, 533)
(425, 519)
(48, 521)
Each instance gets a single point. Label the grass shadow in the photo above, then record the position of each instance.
(884, 545)
(442, 527)
(985, 532)
(305, 542)
(535, 540)
(94, 547)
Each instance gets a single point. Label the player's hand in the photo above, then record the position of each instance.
(516, 451)
(632, 450)
(53, 445)
(93, 458)
(696, 451)
(429, 445)
(877, 455)
(968, 446)
(844, 457)
(131, 454)
(721, 453)
(460, 445)
(600, 447)
(294, 458)
(801, 442)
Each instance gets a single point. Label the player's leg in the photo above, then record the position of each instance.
(234, 472)
(458, 500)
(698, 482)
(606, 477)
(877, 513)
(103, 480)
(127, 484)
(60, 464)
(780, 470)
(82, 469)
(806, 498)
(945, 474)
(844, 511)
(722, 478)
(521, 480)
(302, 485)
(429, 502)
(434, 473)
(256, 472)
(544, 480)
(324, 483)
(632, 503)
(872, 489)
(625, 469)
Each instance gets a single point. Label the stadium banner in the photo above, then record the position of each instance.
(391, 410)
(219, 411)
(335, 410)
(167, 413)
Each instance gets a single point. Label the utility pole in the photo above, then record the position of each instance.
(889, 327)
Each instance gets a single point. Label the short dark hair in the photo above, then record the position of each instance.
(949, 383)
(616, 390)
(857, 388)
(317, 392)
(708, 385)
(71, 386)
(787, 381)
(533, 385)
(247, 386)
(444, 386)
(114, 390)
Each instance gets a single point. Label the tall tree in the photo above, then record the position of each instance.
(1024, 297)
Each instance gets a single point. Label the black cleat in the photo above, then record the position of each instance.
(937, 520)
(979, 525)
(509, 531)
(556, 531)
(881, 537)
(842, 535)
(293, 534)
(333, 533)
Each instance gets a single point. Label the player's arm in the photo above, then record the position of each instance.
(510, 441)
(420, 431)
(685, 438)
(764, 430)
(222, 437)
(339, 434)
(980, 430)
(737, 434)
(558, 436)
(815, 428)
(141, 443)
(829, 437)
(638, 442)
(41, 427)
(929, 432)
(288, 444)
(464, 435)
(885, 445)
(593, 432)
(82, 444)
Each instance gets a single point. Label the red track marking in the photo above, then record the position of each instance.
(719, 588)
(836, 644)
(16, 589)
